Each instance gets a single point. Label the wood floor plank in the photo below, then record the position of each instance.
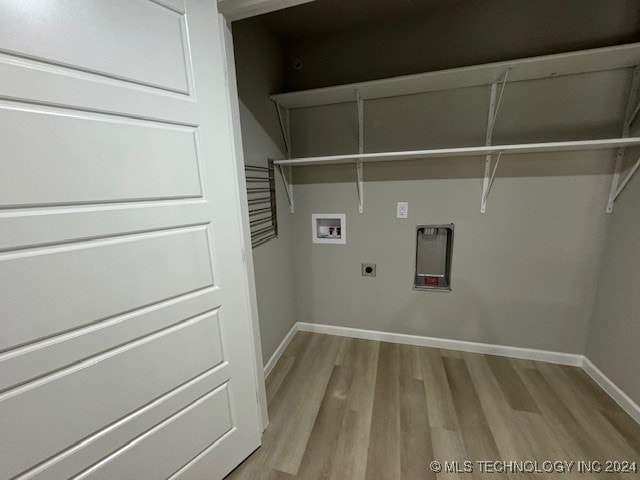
(320, 451)
(365, 365)
(347, 351)
(608, 440)
(448, 447)
(477, 437)
(291, 445)
(442, 412)
(625, 425)
(514, 390)
(416, 451)
(523, 363)
(545, 445)
(588, 387)
(566, 427)
(383, 460)
(307, 347)
(353, 443)
(382, 423)
(499, 414)
(274, 381)
(351, 452)
(298, 343)
(450, 353)
(410, 361)
(277, 475)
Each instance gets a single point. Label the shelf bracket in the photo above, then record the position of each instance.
(287, 179)
(630, 115)
(624, 182)
(283, 119)
(359, 163)
(285, 171)
(487, 189)
(494, 106)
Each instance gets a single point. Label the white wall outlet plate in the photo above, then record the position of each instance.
(402, 210)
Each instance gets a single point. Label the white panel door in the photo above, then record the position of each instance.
(126, 349)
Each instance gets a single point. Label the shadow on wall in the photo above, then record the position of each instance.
(259, 72)
(345, 41)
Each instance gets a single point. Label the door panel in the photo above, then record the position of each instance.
(133, 426)
(125, 270)
(136, 40)
(89, 390)
(89, 148)
(47, 356)
(126, 347)
(204, 420)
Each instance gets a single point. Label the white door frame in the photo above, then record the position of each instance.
(231, 10)
(249, 281)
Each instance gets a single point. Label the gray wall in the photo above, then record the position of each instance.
(259, 73)
(615, 325)
(370, 39)
(524, 274)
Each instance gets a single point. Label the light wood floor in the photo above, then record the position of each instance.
(343, 409)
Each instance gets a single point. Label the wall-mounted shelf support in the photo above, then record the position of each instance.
(630, 115)
(494, 106)
(493, 74)
(283, 119)
(359, 164)
(287, 179)
(487, 185)
(285, 171)
(624, 182)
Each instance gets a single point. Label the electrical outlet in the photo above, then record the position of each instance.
(402, 210)
(368, 269)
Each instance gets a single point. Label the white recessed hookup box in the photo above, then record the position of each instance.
(328, 228)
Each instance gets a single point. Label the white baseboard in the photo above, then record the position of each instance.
(560, 358)
(621, 398)
(280, 350)
(461, 345)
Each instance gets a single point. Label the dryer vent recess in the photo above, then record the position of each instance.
(434, 252)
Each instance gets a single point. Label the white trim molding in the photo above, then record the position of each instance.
(238, 9)
(447, 344)
(621, 398)
(280, 350)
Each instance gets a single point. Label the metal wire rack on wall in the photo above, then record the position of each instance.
(261, 194)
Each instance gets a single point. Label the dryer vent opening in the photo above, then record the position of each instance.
(434, 251)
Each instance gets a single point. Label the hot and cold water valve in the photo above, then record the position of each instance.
(329, 228)
(434, 251)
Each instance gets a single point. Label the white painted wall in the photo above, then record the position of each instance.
(615, 329)
(259, 73)
(524, 274)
